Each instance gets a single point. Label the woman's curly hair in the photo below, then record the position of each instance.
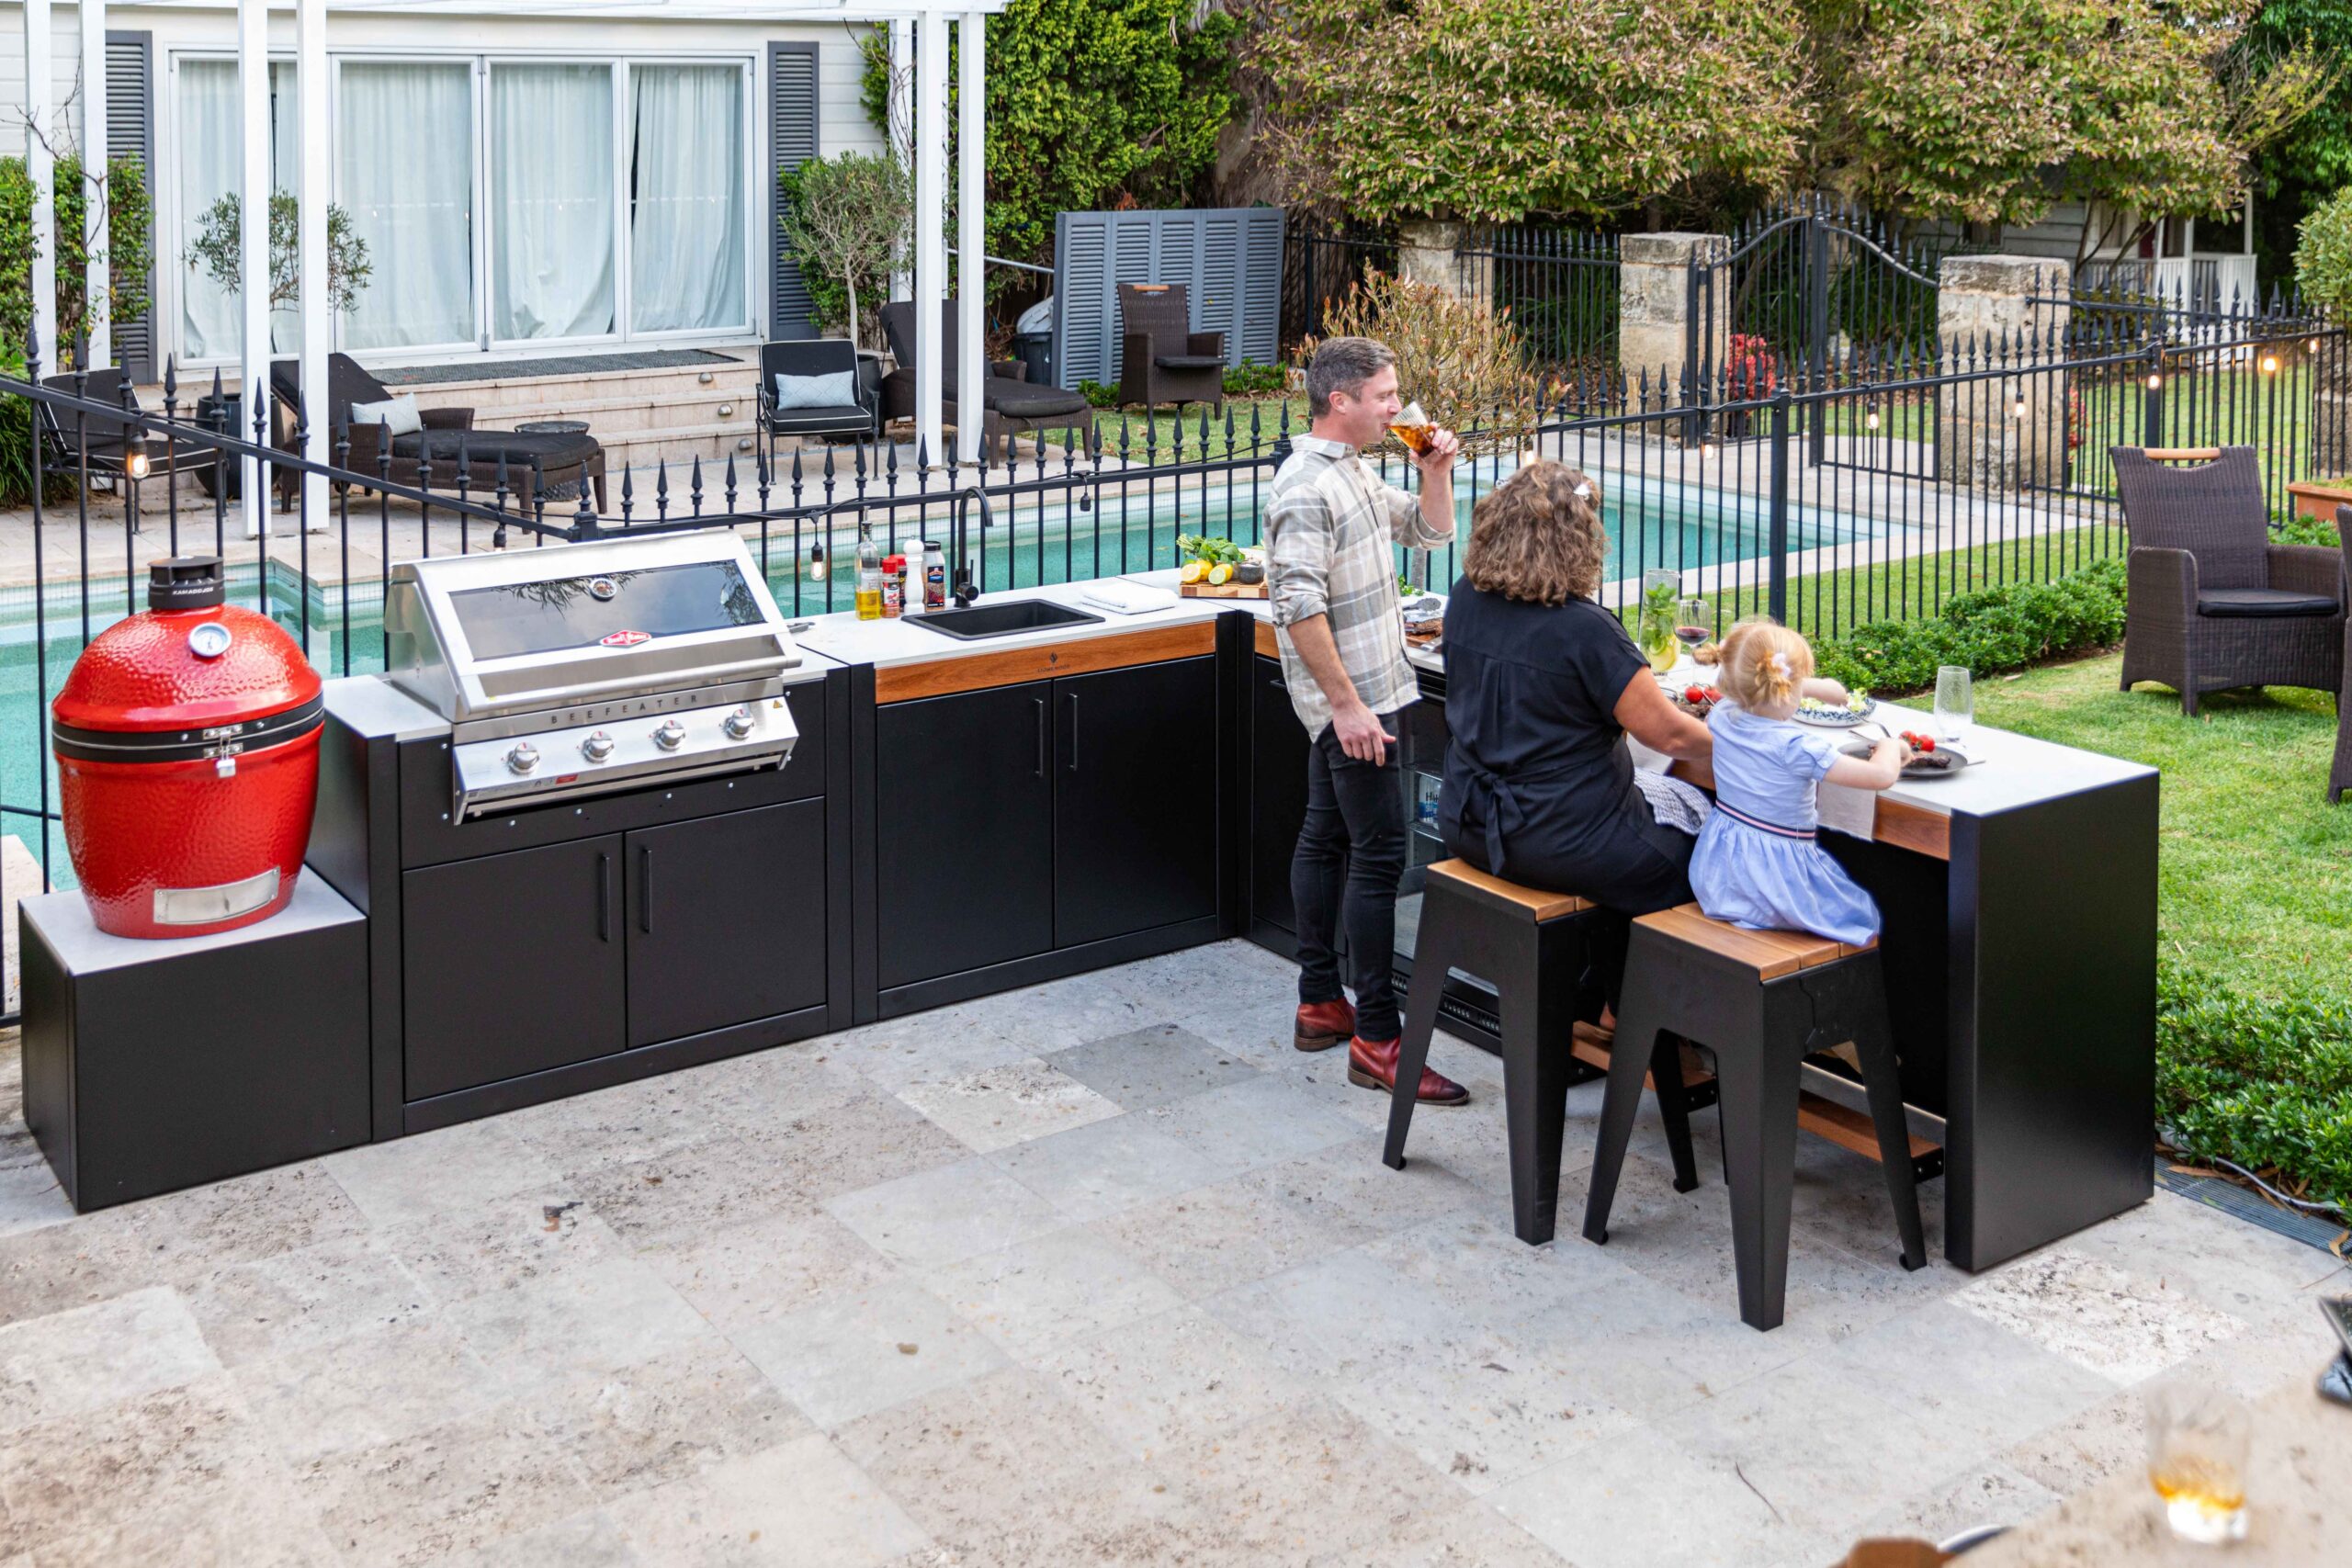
(1537, 536)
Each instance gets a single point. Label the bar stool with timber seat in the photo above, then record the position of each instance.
(1535, 948)
(1761, 1000)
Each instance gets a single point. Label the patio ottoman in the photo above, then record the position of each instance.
(565, 458)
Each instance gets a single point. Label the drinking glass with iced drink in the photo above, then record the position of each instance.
(2198, 1440)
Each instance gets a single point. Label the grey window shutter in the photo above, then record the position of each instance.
(130, 132)
(1230, 261)
(792, 141)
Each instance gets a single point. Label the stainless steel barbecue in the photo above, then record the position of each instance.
(580, 670)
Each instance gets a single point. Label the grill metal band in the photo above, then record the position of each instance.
(188, 745)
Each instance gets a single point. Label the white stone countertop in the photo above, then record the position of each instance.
(843, 636)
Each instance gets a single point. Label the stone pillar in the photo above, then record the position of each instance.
(1426, 252)
(1655, 330)
(2003, 431)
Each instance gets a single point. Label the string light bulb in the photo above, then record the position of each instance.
(137, 467)
(2269, 364)
(1869, 420)
(2156, 382)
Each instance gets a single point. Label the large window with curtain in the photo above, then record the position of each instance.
(505, 202)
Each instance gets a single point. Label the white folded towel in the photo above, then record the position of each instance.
(1125, 598)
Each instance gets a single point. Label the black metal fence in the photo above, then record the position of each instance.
(1560, 289)
(1938, 471)
(1319, 267)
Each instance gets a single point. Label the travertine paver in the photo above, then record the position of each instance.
(1101, 1272)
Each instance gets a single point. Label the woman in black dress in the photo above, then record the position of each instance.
(1542, 685)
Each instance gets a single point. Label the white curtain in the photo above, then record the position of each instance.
(404, 154)
(686, 199)
(551, 197)
(211, 143)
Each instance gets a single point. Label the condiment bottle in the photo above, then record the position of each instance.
(869, 574)
(934, 577)
(894, 587)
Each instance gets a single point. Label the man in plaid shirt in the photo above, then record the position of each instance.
(1331, 527)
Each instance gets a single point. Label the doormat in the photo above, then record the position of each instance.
(2243, 1203)
(571, 365)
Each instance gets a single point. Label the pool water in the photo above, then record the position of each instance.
(1655, 525)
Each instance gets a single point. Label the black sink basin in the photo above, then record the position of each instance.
(1000, 620)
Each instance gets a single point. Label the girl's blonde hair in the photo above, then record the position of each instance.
(1763, 662)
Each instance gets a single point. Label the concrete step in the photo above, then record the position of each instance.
(611, 417)
(674, 383)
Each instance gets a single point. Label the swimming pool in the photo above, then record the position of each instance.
(1651, 523)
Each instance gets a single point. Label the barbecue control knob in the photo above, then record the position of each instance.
(523, 758)
(597, 747)
(671, 736)
(738, 724)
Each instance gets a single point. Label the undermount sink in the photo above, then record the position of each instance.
(1000, 620)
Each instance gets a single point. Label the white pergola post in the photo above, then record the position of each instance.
(971, 235)
(898, 116)
(97, 191)
(930, 240)
(253, 271)
(40, 168)
(310, 253)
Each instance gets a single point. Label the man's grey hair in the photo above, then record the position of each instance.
(1343, 364)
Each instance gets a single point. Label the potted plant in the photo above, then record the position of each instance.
(217, 250)
(846, 217)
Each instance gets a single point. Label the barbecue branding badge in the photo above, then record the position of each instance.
(602, 589)
(626, 639)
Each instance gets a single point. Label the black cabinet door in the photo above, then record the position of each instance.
(1135, 799)
(726, 921)
(963, 803)
(510, 965)
(1277, 793)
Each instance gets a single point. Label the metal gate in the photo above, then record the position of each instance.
(1811, 295)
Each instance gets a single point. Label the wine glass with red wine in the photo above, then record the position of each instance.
(1690, 623)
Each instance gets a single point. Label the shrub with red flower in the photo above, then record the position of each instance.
(1751, 370)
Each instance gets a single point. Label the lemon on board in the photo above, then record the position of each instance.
(1220, 574)
(1194, 570)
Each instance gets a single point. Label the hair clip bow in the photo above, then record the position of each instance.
(1781, 664)
(1583, 491)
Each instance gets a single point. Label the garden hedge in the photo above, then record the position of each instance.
(1990, 631)
(2265, 1085)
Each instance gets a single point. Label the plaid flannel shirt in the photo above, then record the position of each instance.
(1329, 525)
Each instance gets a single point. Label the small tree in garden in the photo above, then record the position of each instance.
(845, 218)
(2324, 256)
(1455, 357)
(217, 250)
(128, 253)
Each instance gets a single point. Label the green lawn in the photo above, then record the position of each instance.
(2255, 870)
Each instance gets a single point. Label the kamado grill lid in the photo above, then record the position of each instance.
(191, 665)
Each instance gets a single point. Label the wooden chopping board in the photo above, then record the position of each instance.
(1222, 590)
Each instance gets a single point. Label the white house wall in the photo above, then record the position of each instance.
(64, 52)
(841, 121)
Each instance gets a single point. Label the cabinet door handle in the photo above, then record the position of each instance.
(1040, 737)
(1073, 732)
(1279, 685)
(645, 888)
(603, 898)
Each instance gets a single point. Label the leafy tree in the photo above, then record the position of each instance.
(128, 253)
(1091, 102)
(2324, 255)
(2298, 170)
(845, 218)
(1491, 110)
(218, 253)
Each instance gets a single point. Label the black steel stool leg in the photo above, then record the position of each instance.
(1874, 1042)
(1536, 1021)
(1433, 948)
(1629, 1057)
(1757, 1074)
(1674, 1104)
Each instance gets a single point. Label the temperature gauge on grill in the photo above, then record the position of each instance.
(597, 747)
(671, 736)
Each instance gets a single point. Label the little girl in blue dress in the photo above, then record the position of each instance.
(1757, 864)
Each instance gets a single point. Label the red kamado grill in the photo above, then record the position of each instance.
(187, 760)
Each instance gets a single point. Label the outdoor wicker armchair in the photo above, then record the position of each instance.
(1162, 359)
(2214, 605)
(449, 454)
(2339, 777)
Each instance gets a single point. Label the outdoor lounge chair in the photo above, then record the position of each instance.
(1162, 359)
(1012, 402)
(562, 461)
(856, 419)
(2214, 605)
(94, 444)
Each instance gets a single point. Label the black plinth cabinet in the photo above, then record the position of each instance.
(154, 1065)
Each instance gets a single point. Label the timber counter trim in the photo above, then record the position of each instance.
(1266, 643)
(1009, 667)
(1897, 822)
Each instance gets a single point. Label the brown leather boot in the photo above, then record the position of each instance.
(1371, 1064)
(1322, 1025)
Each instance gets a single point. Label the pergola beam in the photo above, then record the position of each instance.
(253, 233)
(971, 239)
(310, 252)
(930, 240)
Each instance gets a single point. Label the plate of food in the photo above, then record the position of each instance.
(1695, 699)
(1856, 709)
(1930, 758)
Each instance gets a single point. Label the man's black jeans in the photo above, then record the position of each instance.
(1350, 854)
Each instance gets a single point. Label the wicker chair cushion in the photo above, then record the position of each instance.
(1021, 400)
(1187, 362)
(2262, 603)
(482, 448)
